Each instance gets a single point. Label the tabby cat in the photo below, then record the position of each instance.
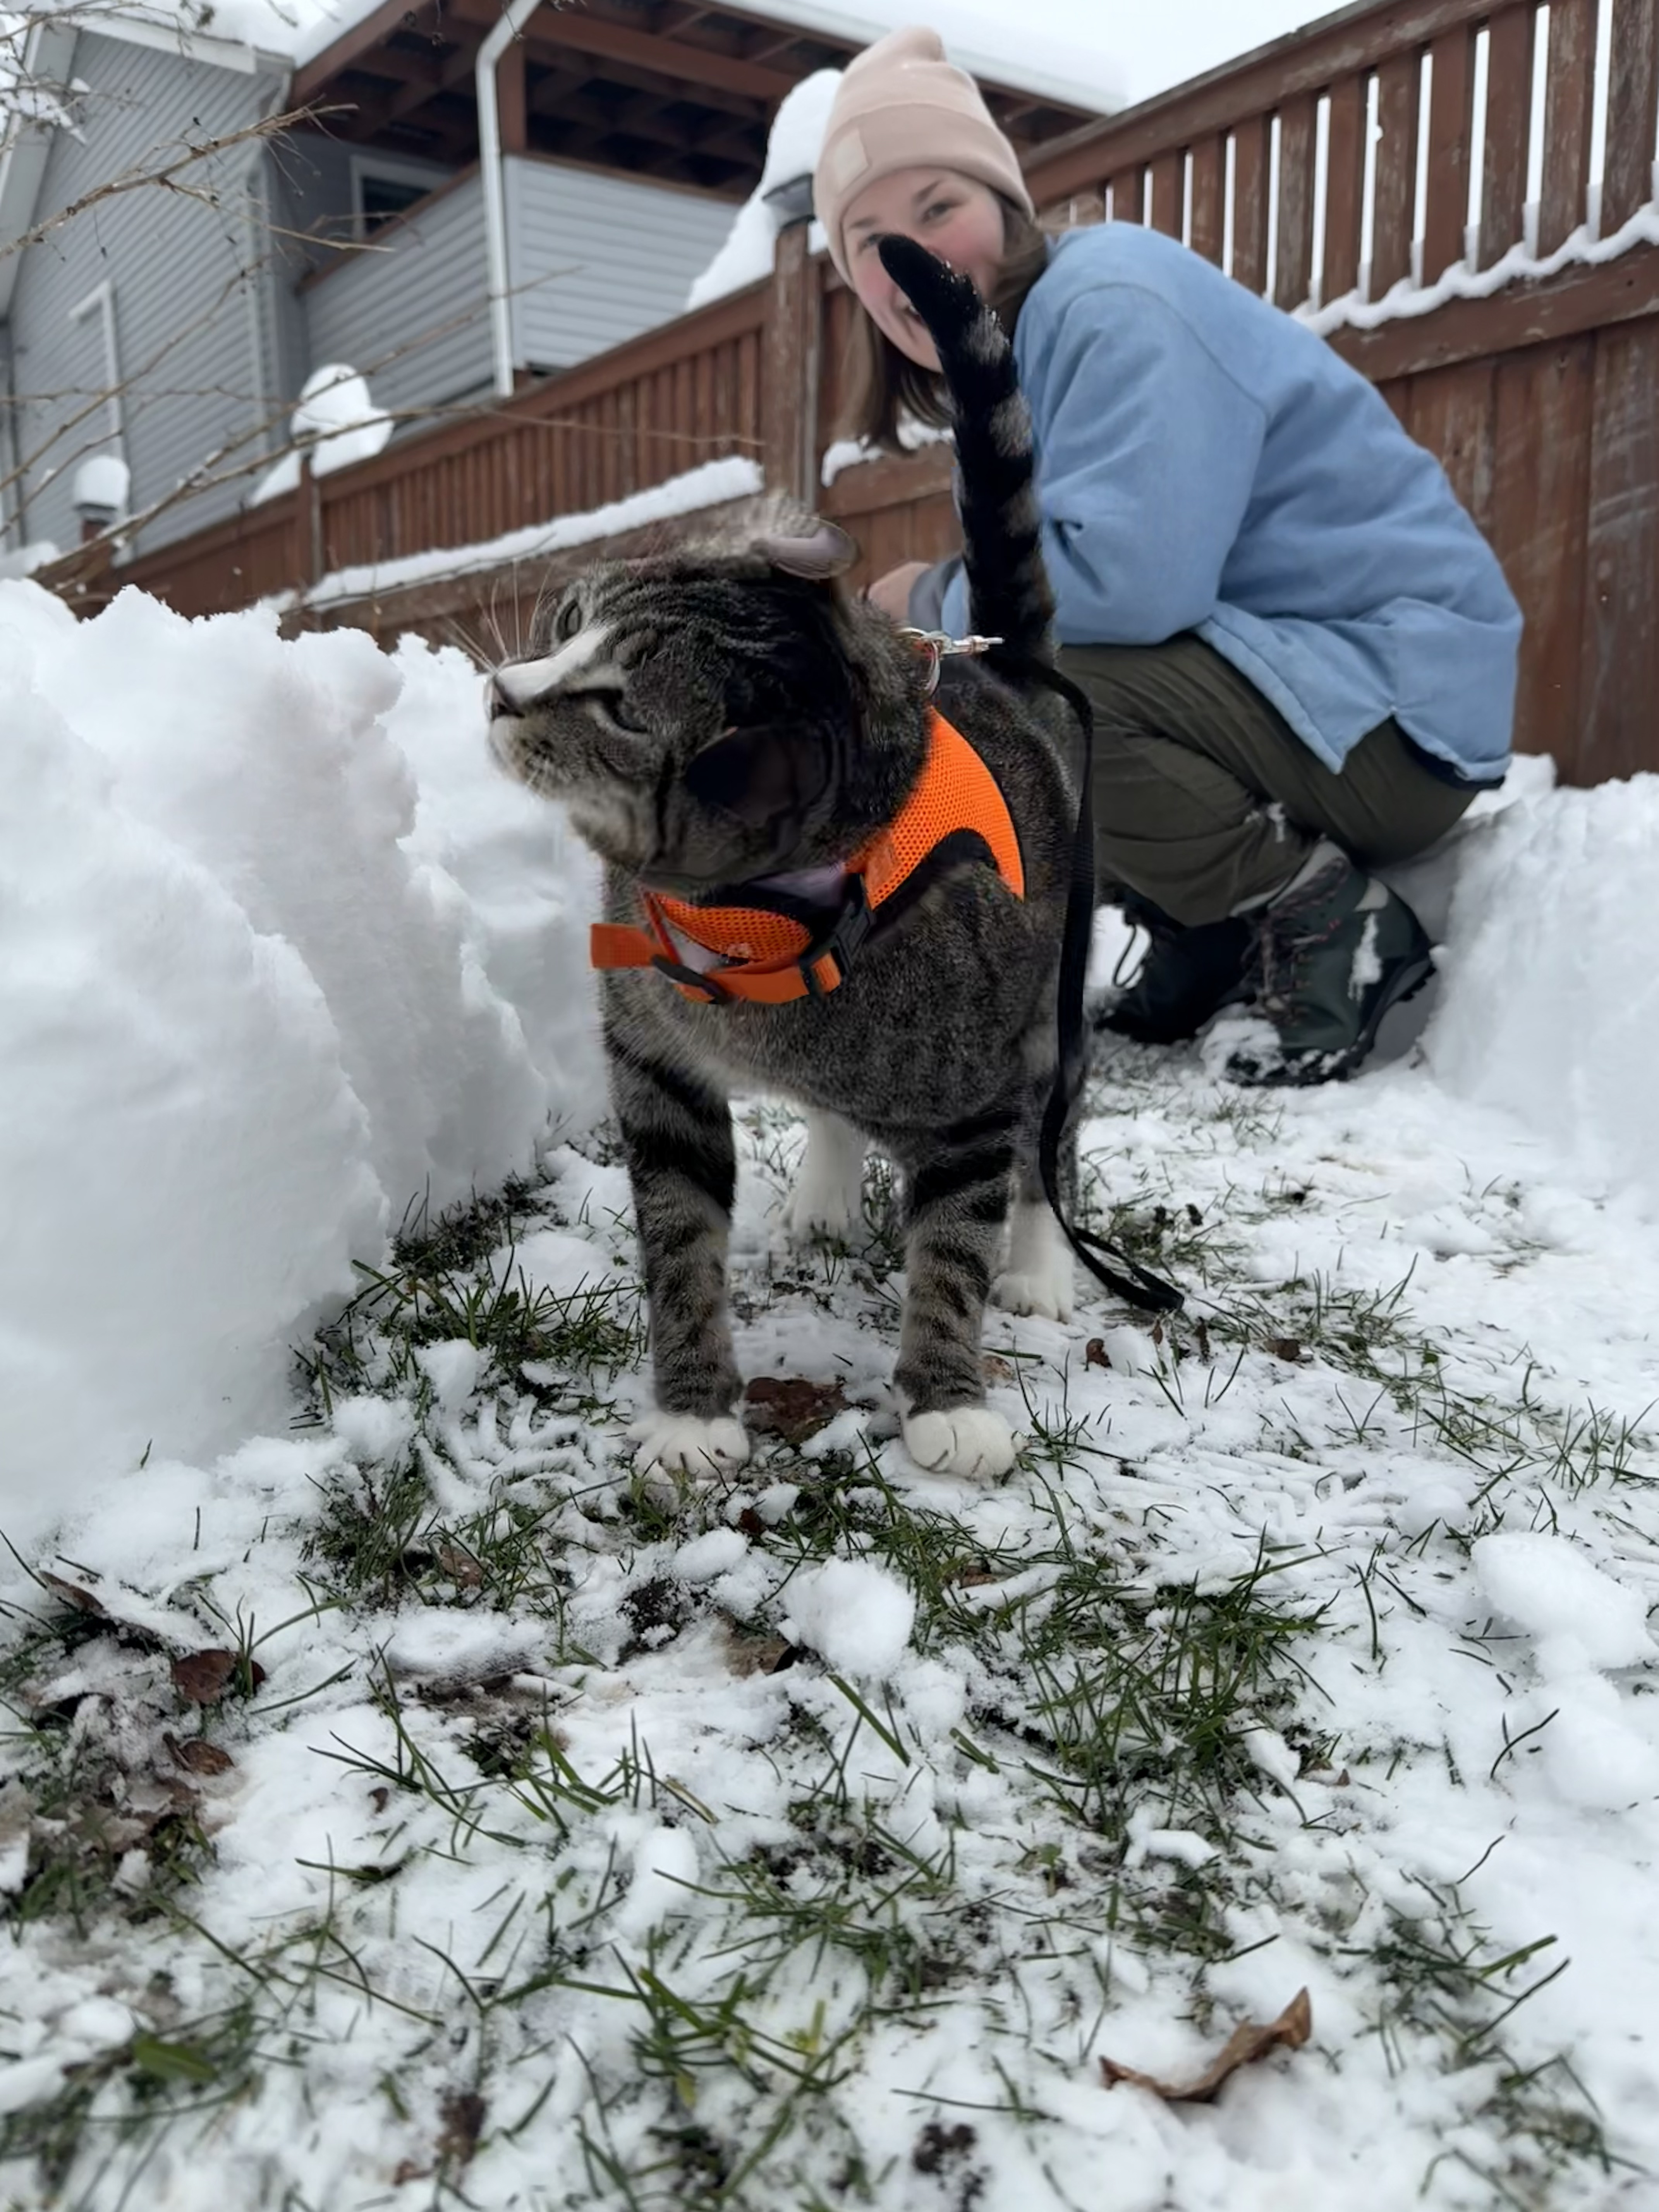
(730, 715)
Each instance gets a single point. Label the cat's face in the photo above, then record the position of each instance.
(698, 716)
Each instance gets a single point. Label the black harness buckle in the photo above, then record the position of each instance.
(705, 987)
(841, 941)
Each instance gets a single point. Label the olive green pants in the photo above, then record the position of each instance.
(1206, 802)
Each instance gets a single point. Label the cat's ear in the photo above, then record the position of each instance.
(758, 773)
(818, 552)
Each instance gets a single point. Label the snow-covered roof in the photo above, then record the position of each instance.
(242, 34)
(1006, 50)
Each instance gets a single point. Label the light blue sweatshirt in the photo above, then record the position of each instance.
(1206, 463)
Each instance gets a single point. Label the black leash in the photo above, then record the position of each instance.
(1139, 1286)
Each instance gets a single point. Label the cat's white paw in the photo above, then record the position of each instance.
(970, 1440)
(686, 1443)
(1039, 1277)
(828, 1199)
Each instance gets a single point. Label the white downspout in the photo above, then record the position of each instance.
(517, 15)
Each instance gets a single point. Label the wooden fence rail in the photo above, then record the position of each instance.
(692, 391)
(1330, 165)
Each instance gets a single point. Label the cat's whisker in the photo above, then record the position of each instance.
(494, 626)
(453, 631)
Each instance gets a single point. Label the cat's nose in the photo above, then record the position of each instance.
(498, 702)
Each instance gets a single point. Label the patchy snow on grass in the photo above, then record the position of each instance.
(399, 1795)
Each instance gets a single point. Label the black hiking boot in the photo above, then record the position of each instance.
(1333, 954)
(1186, 976)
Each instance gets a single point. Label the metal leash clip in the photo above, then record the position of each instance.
(937, 644)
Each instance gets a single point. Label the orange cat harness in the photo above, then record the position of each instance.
(770, 947)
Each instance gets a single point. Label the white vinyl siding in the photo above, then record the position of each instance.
(596, 259)
(190, 286)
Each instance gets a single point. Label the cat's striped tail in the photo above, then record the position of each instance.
(1010, 593)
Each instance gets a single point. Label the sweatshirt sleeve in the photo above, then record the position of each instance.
(1147, 450)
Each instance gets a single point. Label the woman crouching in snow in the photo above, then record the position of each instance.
(1300, 651)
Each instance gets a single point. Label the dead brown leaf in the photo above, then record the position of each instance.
(73, 1594)
(757, 1654)
(460, 1566)
(197, 1755)
(1095, 1353)
(792, 1407)
(461, 2119)
(203, 1677)
(1247, 2043)
(1285, 1347)
(462, 2112)
(996, 1368)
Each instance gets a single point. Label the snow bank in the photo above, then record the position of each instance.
(284, 954)
(24, 560)
(1550, 996)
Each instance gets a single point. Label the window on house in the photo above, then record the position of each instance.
(380, 196)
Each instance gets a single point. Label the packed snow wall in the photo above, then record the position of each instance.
(284, 956)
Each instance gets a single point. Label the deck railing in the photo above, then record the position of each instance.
(691, 390)
(1390, 142)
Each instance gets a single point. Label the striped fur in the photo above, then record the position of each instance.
(724, 711)
(1002, 546)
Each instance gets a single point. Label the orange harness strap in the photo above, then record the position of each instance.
(769, 957)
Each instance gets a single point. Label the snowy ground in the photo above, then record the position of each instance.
(401, 1805)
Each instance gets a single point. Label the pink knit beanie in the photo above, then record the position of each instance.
(902, 106)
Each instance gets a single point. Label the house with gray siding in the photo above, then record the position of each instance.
(143, 328)
(450, 199)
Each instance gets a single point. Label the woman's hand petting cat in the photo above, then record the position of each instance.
(891, 592)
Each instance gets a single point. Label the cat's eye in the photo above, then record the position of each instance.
(569, 620)
(616, 710)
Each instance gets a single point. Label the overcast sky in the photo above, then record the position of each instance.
(1129, 49)
(1159, 43)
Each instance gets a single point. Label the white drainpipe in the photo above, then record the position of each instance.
(516, 15)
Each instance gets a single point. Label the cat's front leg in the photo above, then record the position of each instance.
(677, 1131)
(1037, 1275)
(957, 1192)
(828, 1198)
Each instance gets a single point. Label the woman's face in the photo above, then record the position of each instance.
(954, 216)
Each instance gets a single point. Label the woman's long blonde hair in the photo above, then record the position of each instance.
(884, 385)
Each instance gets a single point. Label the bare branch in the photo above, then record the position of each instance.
(144, 175)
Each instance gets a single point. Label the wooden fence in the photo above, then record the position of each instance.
(1387, 144)
(692, 391)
